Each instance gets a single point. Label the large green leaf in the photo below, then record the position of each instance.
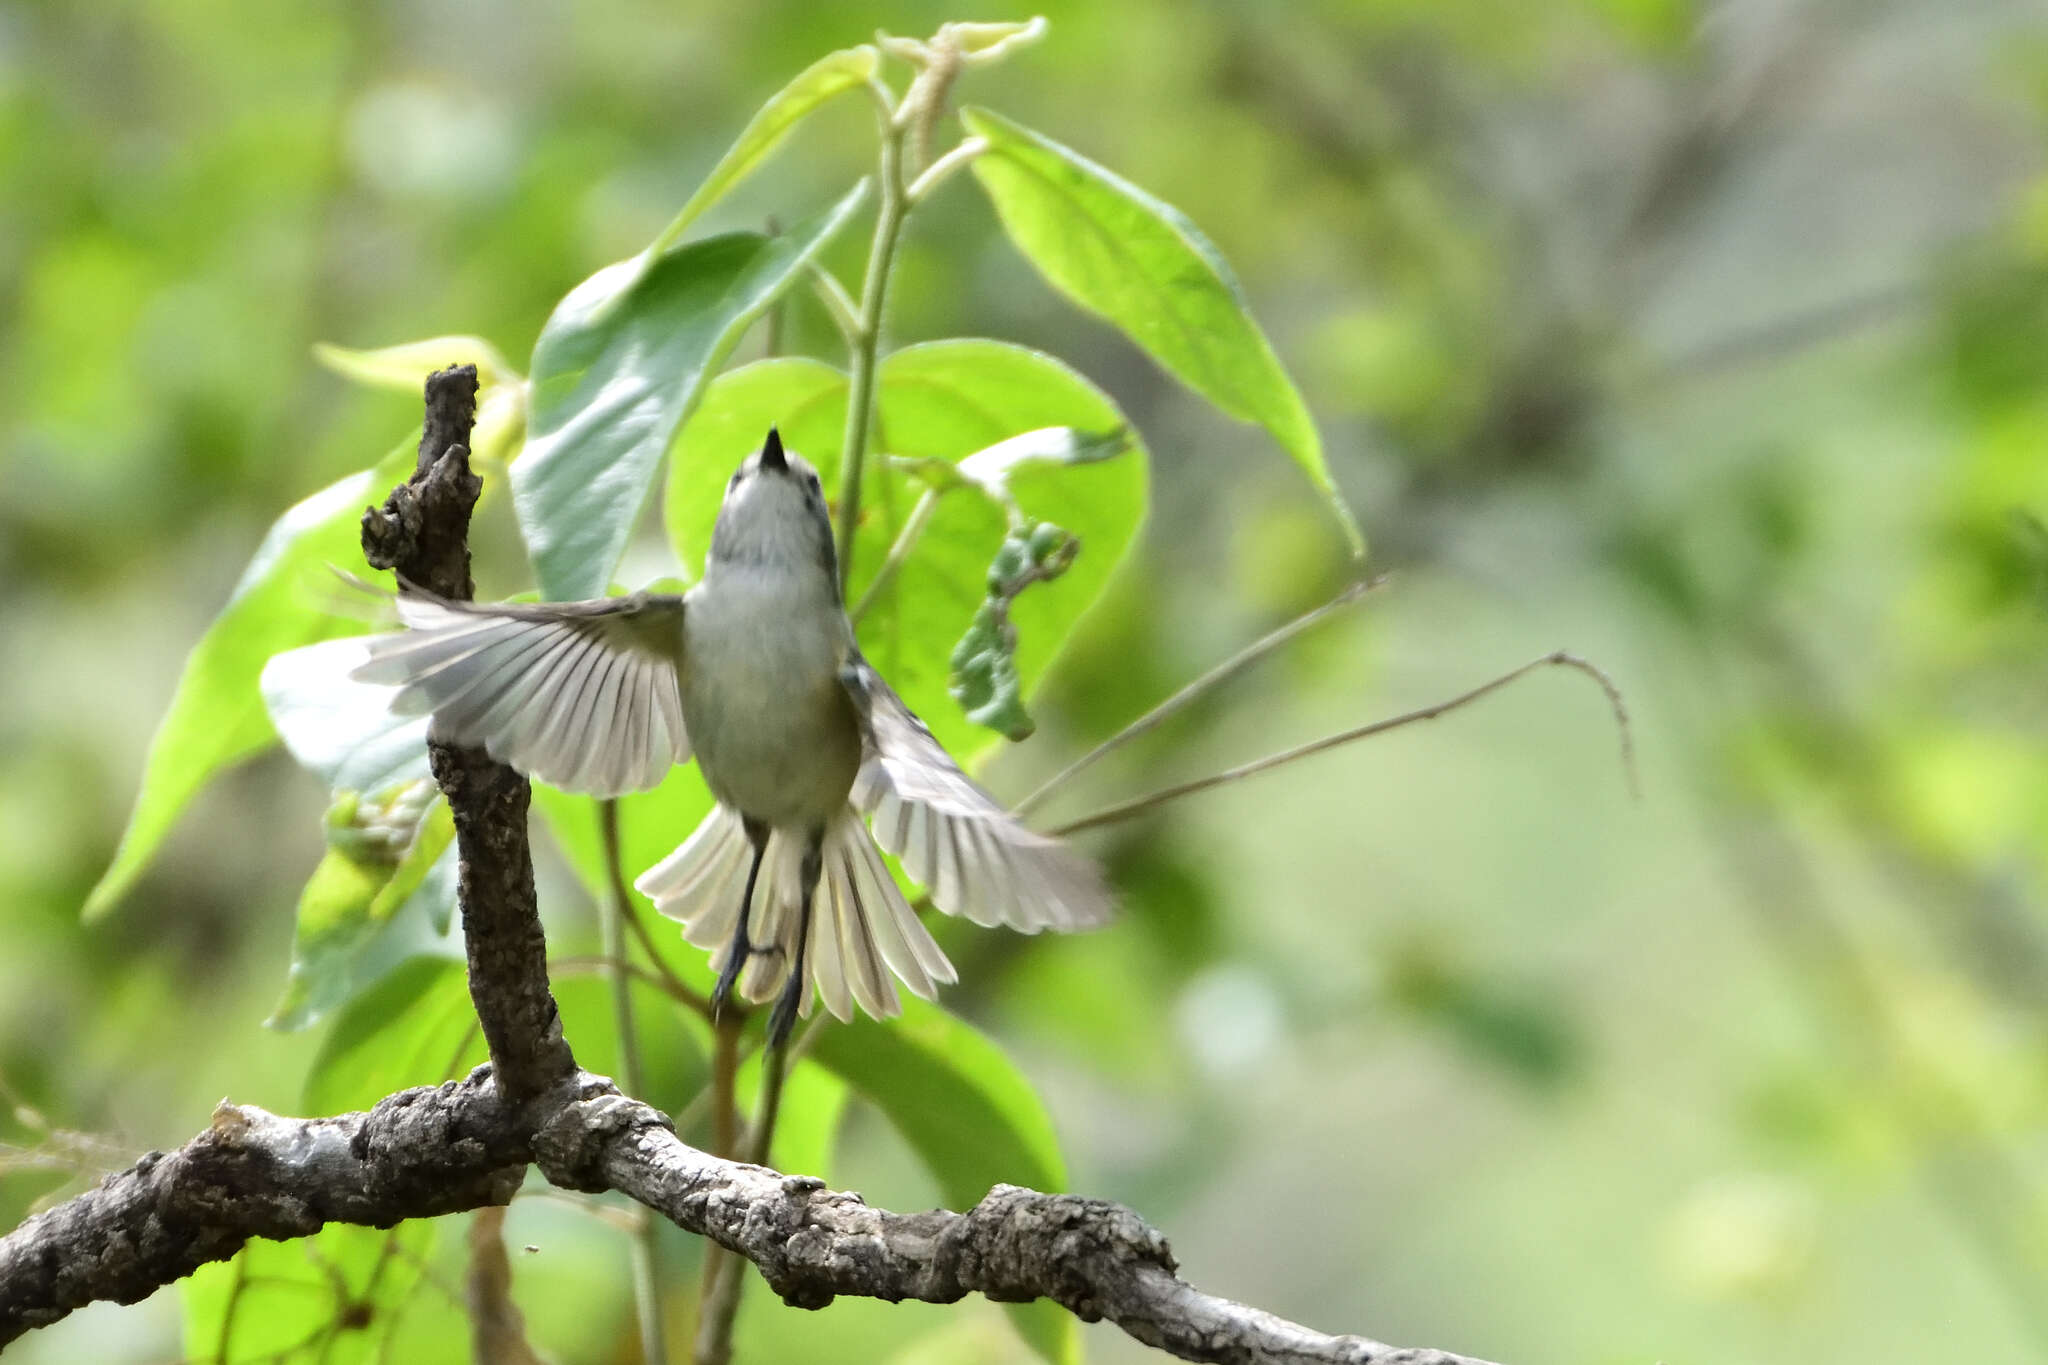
(217, 717)
(971, 1116)
(820, 81)
(943, 401)
(331, 1299)
(1120, 253)
(618, 367)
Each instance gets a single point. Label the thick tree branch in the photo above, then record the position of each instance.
(457, 1146)
(460, 1146)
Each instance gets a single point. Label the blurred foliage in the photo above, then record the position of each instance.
(1706, 340)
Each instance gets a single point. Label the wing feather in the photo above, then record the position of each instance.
(581, 694)
(973, 856)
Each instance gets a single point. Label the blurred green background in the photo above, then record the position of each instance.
(1707, 340)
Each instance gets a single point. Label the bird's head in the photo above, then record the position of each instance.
(774, 515)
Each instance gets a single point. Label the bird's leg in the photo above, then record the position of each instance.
(792, 997)
(740, 949)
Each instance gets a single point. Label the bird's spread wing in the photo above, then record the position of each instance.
(971, 854)
(581, 694)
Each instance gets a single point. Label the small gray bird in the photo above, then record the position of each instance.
(756, 670)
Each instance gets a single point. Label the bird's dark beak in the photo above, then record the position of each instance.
(771, 453)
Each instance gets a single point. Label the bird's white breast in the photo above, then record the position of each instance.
(767, 716)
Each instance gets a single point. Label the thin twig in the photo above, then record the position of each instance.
(906, 540)
(613, 914)
(599, 963)
(845, 312)
(1216, 676)
(1560, 658)
(677, 988)
(937, 173)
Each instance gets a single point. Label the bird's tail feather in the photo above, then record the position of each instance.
(863, 931)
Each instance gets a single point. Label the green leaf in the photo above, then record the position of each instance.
(384, 855)
(217, 719)
(618, 367)
(407, 365)
(330, 1299)
(1139, 263)
(415, 1027)
(970, 1115)
(942, 401)
(828, 76)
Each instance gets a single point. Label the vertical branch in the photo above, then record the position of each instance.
(422, 531)
(646, 1250)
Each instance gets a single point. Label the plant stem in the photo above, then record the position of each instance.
(860, 398)
(1216, 676)
(1559, 659)
(645, 1249)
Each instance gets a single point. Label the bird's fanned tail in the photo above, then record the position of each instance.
(863, 931)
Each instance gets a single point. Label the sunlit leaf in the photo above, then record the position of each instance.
(407, 365)
(970, 1115)
(828, 76)
(618, 367)
(1139, 263)
(217, 717)
(330, 1299)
